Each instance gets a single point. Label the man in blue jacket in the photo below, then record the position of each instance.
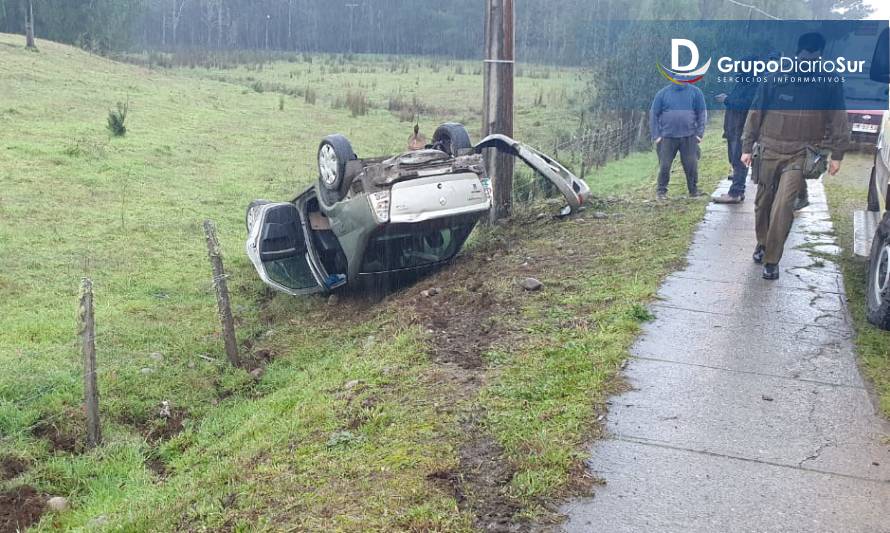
(677, 121)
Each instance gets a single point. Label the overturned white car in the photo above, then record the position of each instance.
(383, 216)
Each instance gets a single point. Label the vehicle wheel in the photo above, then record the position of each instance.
(333, 154)
(877, 292)
(250, 216)
(451, 138)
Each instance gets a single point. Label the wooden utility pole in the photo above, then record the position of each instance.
(498, 100)
(222, 293)
(86, 328)
(29, 26)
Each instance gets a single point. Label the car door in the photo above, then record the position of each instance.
(277, 247)
(574, 189)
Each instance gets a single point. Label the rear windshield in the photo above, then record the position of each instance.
(415, 246)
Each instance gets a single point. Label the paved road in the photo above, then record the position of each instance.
(747, 410)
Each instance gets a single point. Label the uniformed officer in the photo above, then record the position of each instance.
(786, 118)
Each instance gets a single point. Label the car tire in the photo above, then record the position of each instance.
(452, 138)
(250, 215)
(877, 294)
(333, 154)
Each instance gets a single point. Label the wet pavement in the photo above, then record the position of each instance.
(747, 410)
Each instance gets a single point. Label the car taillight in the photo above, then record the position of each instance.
(486, 186)
(380, 205)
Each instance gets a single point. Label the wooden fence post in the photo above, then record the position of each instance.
(87, 331)
(222, 293)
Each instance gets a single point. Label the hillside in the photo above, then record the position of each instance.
(392, 411)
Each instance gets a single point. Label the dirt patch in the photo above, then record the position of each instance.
(165, 428)
(466, 313)
(462, 325)
(255, 358)
(468, 310)
(11, 467)
(475, 307)
(20, 508)
(163, 423)
(359, 412)
(479, 485)
(157, 466)
(61, 437)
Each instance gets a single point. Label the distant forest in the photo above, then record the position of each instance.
(546, 30)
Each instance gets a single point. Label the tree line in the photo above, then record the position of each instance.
(555, 31)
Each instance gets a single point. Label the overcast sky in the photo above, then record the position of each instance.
(882, 9)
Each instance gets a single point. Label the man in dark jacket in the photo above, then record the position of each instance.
(677, 121)
(737, 103)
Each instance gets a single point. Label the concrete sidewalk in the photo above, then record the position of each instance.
(747, 410)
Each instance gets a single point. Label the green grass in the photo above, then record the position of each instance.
(297, 448)
(848, 193)
(542, 403)
(426, 89)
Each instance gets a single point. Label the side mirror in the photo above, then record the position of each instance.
(880, 62)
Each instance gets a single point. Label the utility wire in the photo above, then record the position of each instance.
(754, 8)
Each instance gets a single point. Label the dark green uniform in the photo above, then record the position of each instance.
(785, 119)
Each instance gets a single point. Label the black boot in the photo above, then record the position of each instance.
(770, 272)
(759, 252)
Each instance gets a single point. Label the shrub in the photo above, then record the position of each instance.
(357, 102)
(406, 110)
(310, 95)
(117, 118)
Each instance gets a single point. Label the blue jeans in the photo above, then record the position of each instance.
(739, 170)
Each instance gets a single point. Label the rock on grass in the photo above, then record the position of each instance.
(531, 284)
(57, 503)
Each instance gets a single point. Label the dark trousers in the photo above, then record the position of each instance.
(739, 170)
(689, 154)
(780, 181)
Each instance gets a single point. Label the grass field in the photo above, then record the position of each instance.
(394, 412)
(847, 193)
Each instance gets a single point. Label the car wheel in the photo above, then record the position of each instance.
(451, 138)
(333, 154)
(878, 288)
(250, 216)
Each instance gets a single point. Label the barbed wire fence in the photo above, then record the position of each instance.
(583, 152)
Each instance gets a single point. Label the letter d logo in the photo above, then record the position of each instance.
(675, 55)
(689, 73)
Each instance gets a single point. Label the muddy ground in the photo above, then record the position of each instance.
(11, 467)
(467, 309)
(20, 508)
